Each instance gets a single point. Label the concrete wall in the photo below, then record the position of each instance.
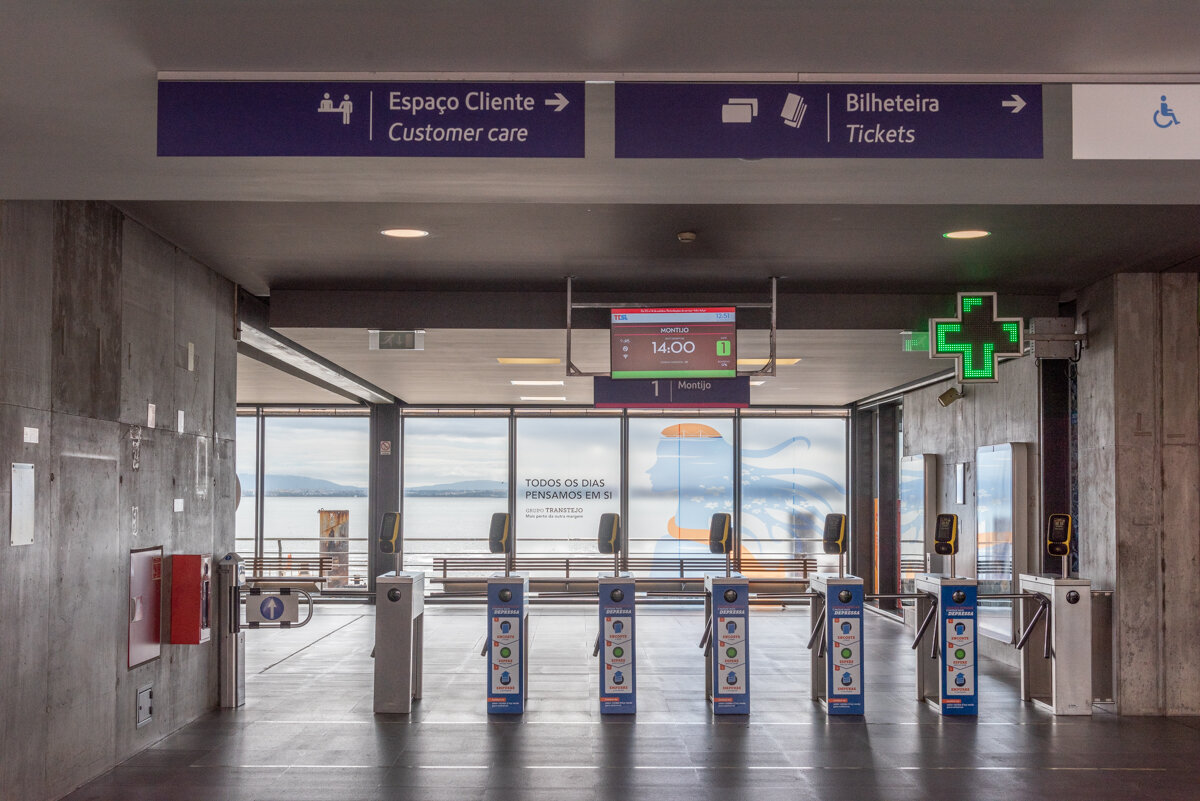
(99, 318)
(1139, 454)
(1138, 435)
(990, 414)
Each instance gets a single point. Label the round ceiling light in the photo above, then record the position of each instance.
(404, 233)
(966, 234)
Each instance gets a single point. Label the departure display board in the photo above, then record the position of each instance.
(674, 343)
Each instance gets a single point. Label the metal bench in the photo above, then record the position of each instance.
(308, 573)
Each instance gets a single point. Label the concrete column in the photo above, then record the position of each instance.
(1139, 431)
(384, 480)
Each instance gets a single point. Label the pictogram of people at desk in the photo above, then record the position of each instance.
(345, 107)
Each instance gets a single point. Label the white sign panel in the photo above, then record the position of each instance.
(1135, 121)
(22, 504)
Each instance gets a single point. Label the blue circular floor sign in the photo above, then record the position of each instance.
(271, 608)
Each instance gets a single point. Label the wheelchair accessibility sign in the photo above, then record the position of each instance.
(1164, 117)
(1135, 121)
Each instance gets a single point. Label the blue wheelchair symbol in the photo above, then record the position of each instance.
(271, 608)
(1165, 113)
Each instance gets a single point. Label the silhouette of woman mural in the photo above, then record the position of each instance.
(694, 462)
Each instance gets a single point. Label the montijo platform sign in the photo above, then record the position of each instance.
(754, 121)
(348, 118)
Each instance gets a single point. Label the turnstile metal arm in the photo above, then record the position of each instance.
(485, 645)
(929, 616)
(706, 638)
(596, 650)
(1043, 610)
(816, 632)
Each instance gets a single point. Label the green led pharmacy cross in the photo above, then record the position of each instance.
(976, 338)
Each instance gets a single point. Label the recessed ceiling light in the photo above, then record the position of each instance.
(543, 398)
(757, 383)
(763, 362)
(517, 383)
(528, 360)
(966, 234)
(404, 233)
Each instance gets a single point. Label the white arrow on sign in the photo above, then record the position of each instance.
(558, 101)
(1016, 104)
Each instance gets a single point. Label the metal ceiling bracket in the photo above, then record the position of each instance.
(767, 369)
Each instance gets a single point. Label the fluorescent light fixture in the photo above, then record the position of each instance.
(404, 233)
(293, 354)
(543, 397)
(517, 383)
(966, 234)
(763, 362)
(757, 383)
(528, 360)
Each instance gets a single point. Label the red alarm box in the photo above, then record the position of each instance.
(191, 594)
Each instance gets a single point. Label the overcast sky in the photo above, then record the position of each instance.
(332, 448)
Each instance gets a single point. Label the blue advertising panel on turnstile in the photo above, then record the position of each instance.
(844, 635)
(508, 670)
(730, 666)
(618, 676)
(957, 622)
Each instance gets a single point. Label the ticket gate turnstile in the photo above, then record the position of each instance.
(231, 639)
(616, 645)
(727, 666)
(399, 640)
(1056, 660)
(947, 652)
(836, 645)
(507, 647)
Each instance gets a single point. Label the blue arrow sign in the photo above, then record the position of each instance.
(271, 608)
(753, 121)
(345, 118)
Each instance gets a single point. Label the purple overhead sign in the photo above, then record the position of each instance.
(348, 118)
(779, 120)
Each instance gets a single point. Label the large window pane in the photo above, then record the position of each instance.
(568, 474)
(316, 464)
(793, 474)
(913, 517)
(455, 478)
(246, 445)
(994, 537)
(680, 474)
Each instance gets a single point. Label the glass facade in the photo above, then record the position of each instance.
(315, 493)
(793, 473)
(246, 444)
(680, 473)
(557, 473)
(455, 478)
(994, 537)
(568, 474)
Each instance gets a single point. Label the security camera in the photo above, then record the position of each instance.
(949, 396)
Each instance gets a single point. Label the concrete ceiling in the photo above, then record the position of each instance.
(78, 121)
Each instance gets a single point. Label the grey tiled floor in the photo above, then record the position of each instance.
(307, 730)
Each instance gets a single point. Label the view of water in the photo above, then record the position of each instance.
(292, 525)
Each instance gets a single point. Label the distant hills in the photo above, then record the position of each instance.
(460, 489)
(283, 486)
